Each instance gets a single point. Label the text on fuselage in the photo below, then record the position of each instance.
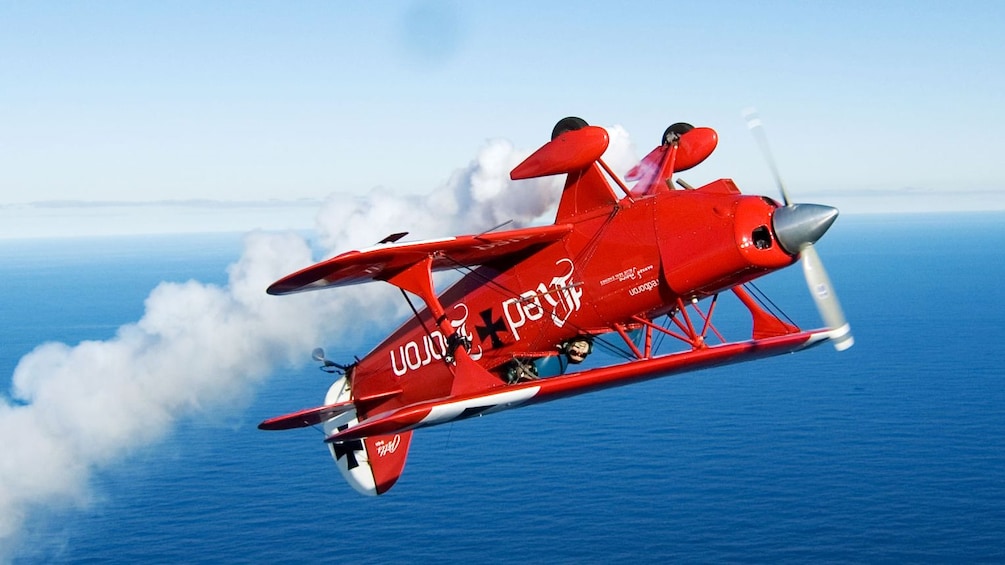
(561, 300)
(431, 347)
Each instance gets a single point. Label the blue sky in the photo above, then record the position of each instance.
(131, 101)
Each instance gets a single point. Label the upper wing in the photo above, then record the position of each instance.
(384, 261)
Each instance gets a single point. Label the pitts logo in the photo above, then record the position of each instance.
(385, 447)
(560, 297)
(412, 355)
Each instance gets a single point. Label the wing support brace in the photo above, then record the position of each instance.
(469, 377)
(418, 279)
(765, 325)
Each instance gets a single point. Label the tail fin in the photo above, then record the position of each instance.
(372, 465)
(575, 152)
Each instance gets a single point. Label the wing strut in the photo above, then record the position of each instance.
(469, 377)
(765, 325)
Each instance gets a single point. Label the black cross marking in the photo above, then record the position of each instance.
(348, 449)
(491, 329)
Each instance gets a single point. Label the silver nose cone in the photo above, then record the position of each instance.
(797, 225)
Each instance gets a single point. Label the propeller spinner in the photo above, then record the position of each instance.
(797, 227)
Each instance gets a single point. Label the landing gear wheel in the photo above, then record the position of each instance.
(674, 132)
(568, 124)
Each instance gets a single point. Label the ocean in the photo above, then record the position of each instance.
(892, 451)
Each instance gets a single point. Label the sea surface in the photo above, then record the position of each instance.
(893, 451)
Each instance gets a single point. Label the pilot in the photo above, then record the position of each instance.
(572, 352)
(520, 370)
(577, 349)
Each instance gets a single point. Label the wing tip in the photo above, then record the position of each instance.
(308, 417)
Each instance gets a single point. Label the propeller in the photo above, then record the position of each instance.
(797, 227)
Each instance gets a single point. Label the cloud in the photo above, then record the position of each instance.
(475, 198)
(81, 407)
(75, 409)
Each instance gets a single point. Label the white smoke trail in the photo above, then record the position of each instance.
(79, 408)
(83, 407)
(476, 198)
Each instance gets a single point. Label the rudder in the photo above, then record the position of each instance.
(372, 465)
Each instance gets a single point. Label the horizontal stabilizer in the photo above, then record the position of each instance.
(304, 418)
(397, 421)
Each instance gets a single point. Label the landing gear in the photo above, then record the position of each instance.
(673, 133)
(568, 124)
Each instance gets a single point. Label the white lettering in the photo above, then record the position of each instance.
(562, 297)
(434, 347)
(441, 344)
(629, 274)
(461, 327)
(509, 311)
(644, 287)
(385, 447)
(394, 365)
(412, 347)
(528, 306)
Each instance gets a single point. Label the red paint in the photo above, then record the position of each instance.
(608, 265)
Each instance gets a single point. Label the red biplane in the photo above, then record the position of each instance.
(619, 271)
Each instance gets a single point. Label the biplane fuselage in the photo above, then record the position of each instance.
(608, 266)
(636, 259)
